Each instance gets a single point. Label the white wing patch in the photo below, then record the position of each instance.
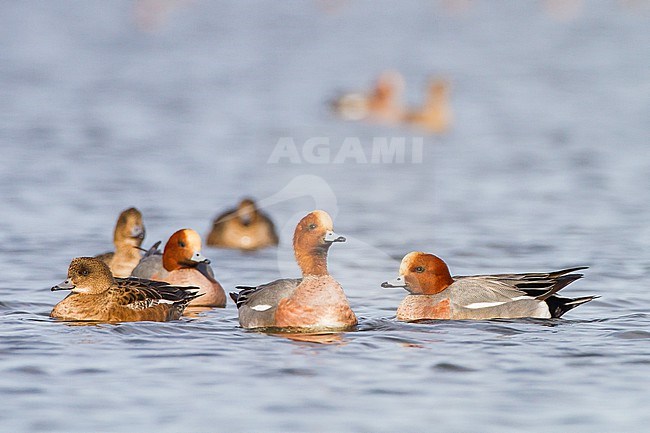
(165, 301)
(261, 307)
(476, 305)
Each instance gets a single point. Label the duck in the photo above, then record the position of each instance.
(435, 115)
(96, 295)
(127, 237)
(182, 264)
(435, 294)
(314, 303)
(382, 104)
(244, 227)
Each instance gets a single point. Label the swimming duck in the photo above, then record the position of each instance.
(434, 294)
(128, 235)
(98, 296)
(383, 104)
(435, 115)
(244, 228)
(182, 264)
(315, 302)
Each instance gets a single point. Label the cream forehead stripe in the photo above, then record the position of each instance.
(323, 218)
(407, 260)
(193, 237)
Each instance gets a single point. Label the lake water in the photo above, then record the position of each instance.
(106, 105)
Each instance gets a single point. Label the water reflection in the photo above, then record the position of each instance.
(318, 338)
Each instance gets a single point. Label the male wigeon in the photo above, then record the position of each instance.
(128, 235)
(315, 302)
(435, 115)
(383, 104)
(244, 228)
(98, 296)
(434, 294)
(182, 264)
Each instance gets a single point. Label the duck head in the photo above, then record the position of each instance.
(129, 228)
(421, 274)
(246, 211)
(312, 238)
(183, 250)
(87, 275)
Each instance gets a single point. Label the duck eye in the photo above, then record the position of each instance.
(84, 272)
(312, 226)
(181, 244)
(419, 269)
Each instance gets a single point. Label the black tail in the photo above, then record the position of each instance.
(558, 306)
(560, 283)
(544, 285)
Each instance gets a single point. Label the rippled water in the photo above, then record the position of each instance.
(547, 166)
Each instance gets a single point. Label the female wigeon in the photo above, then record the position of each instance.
(311, 304)
(182, 264)
(128, 236)
(98, 296)
(436, 295)
(244, 228)
(383, 104)
(435, 115)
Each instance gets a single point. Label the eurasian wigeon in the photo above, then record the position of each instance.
(98, 296)
(435, 115)
(245, 228)
(128, 235)
(314, 303)
(435, 294)
(182, 264)
(383, 104)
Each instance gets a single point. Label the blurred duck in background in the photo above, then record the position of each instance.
(153, 15)
(435, 114)
(383, 104)
(182, 264)
(127, 237)
(244, 227)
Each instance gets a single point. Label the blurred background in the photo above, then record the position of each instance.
(176, 107)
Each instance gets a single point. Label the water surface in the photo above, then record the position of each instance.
(546, 167)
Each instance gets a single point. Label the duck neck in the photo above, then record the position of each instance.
(127, 250)
(437, 283)
(313, 262)
(170, 264)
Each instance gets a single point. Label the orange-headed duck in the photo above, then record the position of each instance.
(435, 115)
(182, 264)
(128, 236)
(315, 302)
(435, 294)
(383, 104)
(98, 296)
(245, 228)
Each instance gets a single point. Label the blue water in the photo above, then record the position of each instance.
(547, 166)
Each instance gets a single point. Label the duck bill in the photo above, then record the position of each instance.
(197, 257)
(396, 283)
(246, 219)
(137, 232)
(65, 285)
(330, 237)
(205, 270)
